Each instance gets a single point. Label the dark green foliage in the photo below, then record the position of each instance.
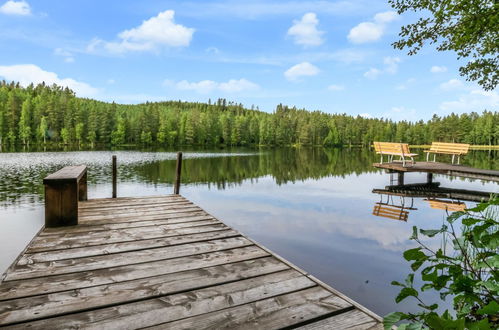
(44, 114)
(467, 27)
(466, 268)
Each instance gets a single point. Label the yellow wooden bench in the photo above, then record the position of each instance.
(449, 206)
(454, 149)
(390, 212)
(394, 149)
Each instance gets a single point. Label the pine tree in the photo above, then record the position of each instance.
(25, 122)
(42, 130)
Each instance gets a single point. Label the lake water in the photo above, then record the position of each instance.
(314, 207)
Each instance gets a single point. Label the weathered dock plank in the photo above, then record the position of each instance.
(162, 262)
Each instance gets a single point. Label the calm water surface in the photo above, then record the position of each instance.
(314, 207)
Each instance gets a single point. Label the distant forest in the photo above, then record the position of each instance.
(52, 114)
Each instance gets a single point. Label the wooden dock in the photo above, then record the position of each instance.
(163, 263)
(441, 168)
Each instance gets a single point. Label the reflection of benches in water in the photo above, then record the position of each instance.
(390, 212)
(433, 191)
(450, 206)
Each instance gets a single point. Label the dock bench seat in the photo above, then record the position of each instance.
(394, 149)
(454, 149)
(63, 190)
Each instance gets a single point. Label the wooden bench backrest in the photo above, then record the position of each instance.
(393, 147)
(446, 147)
(390, 212)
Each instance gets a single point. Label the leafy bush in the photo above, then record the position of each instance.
(465, 269)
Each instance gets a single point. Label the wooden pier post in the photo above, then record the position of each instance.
(429, 178)
(400, 178)
(178, 172)
(114, 176)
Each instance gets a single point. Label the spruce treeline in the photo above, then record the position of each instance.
(52, 114)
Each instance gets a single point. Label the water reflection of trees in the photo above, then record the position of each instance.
(284, 165)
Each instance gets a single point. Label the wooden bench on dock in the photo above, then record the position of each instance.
(394, 149)
(63, 190)
(454, 149)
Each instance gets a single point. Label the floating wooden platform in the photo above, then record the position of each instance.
(163, 263)
(442, 168)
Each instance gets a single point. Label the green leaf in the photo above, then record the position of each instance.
(493, 261)
(431, 307)
(470, 221)
(414, 254)
(392, 318)
(415, 265)
(410, 326)
(490, 285)
(404, 293)
(480, 325)
(396, 283)
(479, 208)
(454, 216)
(431, 277)
(433, 232)
(492, 308)
(414, 233)
(409, 279)
(458, 243)
(444, 322)
(491, 241)
(427, 286)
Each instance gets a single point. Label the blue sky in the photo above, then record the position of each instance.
(334, 56)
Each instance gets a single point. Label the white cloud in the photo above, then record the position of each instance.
(301, 70)
(366, 115)
(235, 86)
(372, 73)
(474, 100)
(21, 8)
(385, 17)
(26, 74)
(438, 69)
(336, 88)
(390, 66)
(68, 56)
(365, 32)
(208, 86)
(111, 81)
(305, 31)
(371, 31)
(153, 34)
(452, 85)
